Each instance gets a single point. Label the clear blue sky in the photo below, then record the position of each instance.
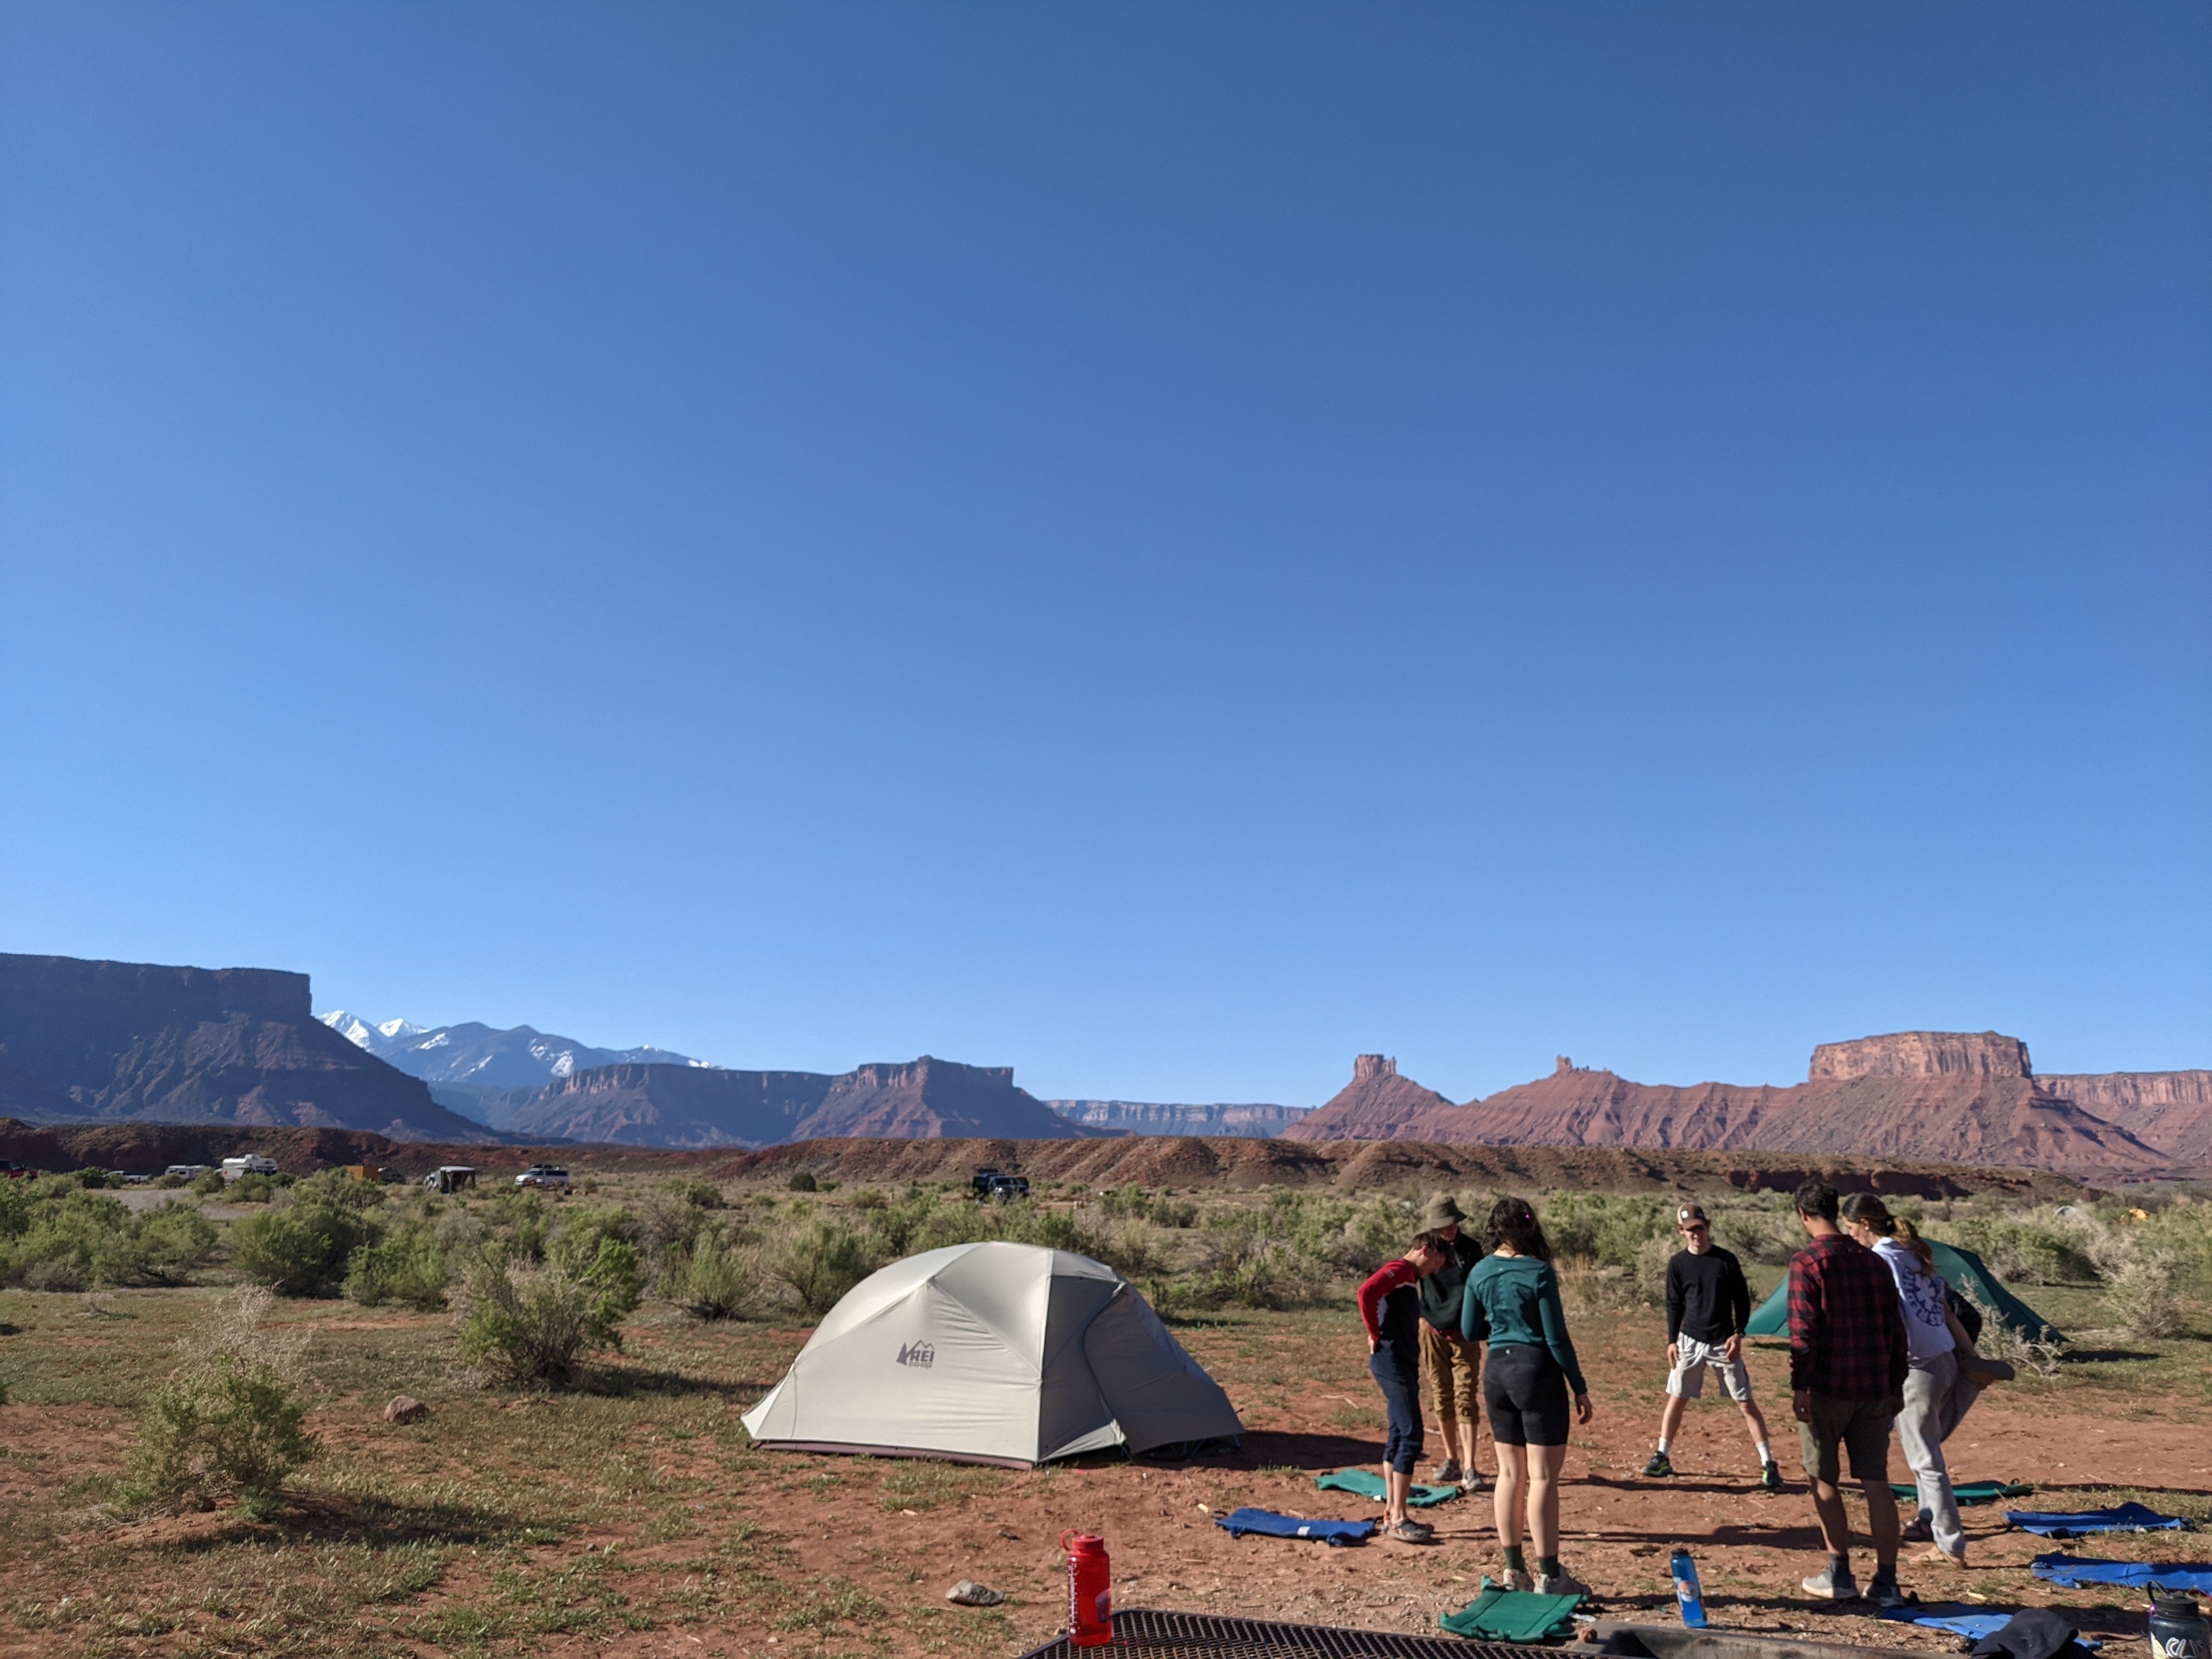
(1160, 545)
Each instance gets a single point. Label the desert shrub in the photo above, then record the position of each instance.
(818, 1261)
(228, 1421)
(1608, 1228)
(65, 1238)
(521, 1324)
(717, 1278)
(699, 1194)
(255, 1188)
(2023, 1252)
(302, 1248)
(407, 1268)
(803, 1181)
(2143, 1292)
(869, 1198)
(1769, 1236)
(169, 1183)
(210, 1185)
(1998, 1341)
(520, 1222)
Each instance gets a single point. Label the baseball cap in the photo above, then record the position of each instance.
(1688, 1213)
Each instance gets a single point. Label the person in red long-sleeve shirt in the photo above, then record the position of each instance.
(1390, 1308)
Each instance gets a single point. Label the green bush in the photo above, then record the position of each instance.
(716, 1280)
(407, 1268)
(803, 1181)
(524, 1325)
(62, 1237)
(255, 1188)
(210, 1185)
(229, 1421)
(818, 1262)
(303, 1247)
(2023, 1252)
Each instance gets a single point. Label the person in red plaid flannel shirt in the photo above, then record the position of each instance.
(1847, 1365)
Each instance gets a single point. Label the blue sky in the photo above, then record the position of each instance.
(1160, 545)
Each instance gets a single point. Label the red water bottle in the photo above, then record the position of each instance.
(1090, 1590)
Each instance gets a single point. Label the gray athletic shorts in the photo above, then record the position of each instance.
(1687, 1380)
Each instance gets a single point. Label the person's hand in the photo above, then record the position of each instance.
(1801, 1405)
(1584, 1410)
(1375, 1345)
(1674, 1355)
(1732, 1350)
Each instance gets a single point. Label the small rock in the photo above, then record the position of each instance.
(6, 1329)
(969, 1594)
(405, 1409)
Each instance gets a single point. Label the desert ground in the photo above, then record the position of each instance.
(630, 1515)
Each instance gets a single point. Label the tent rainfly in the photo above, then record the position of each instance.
(992, 1353)
(1962, 1270)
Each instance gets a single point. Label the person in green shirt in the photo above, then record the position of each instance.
(1512, 1302)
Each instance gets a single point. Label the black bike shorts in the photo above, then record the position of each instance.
(1526, 1394)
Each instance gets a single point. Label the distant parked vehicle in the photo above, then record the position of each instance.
(252, 1163)
(129, 1179)
(989, 1183)
(11, 1171)
(450, 1178)
(545, 1175)
(188, 1171)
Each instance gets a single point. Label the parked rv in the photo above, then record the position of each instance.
(252, 1163)
(450, 1178)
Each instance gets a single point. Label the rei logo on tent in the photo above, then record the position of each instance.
(917, 1353)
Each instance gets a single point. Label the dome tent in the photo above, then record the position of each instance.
(998, 1353)
(1962, 1270)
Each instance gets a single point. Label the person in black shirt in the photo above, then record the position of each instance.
(1708, 1305)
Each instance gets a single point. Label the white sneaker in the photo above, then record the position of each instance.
(1561, 1582)
(1516, 1579)
(1831, 1586)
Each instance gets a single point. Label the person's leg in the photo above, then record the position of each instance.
(1670, 1420)
(1544, 1463)
(1919, 1435)
(1818, 1442)
(1869, 1445)
(1398, 1490)
(1835, 1521)
(1466, 1383)
(1437, 1361)
(1507, 1501)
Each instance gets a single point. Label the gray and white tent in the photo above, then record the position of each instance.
(992, 1353)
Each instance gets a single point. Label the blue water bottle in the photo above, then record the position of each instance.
(1685, 1588)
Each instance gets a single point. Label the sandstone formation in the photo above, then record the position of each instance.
(1377, 1104)
(133, 1041)
(2170, 1111)
(707, 1106)
(1921, 1054)
(1145, 1117)
(1955, 1097)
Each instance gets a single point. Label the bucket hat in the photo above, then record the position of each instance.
(1443, 1212)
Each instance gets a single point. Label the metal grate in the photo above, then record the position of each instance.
(1150, 1635)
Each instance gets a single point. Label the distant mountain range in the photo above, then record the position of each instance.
(519, 1058)
(1146, 1117)
(122, 1043)
(1962, 1098)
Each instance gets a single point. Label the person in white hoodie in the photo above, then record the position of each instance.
(1931, 1345)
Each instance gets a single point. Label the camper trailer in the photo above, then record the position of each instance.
(450, 1178)
(252, 1163)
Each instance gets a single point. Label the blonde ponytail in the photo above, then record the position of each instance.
(1909, 1235)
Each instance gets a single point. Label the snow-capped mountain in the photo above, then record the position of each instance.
(478, 1055)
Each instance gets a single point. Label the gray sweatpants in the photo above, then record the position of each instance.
(1921, 1426)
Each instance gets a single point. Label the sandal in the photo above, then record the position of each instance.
(1412, 1532)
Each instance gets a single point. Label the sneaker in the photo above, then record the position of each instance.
(1412, 1532)
(1658, 1468)
(1473, 1481)
(1447, 1474)
(1883, 1591)
(1921, 1529)
(1830, 1585)
(1941, 1557)
(1770, 1478)
(1516, 1579)
(1561, 1582)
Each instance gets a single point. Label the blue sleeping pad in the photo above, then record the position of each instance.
(1268, 1524)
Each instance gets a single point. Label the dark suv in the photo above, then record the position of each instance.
(989, 1183)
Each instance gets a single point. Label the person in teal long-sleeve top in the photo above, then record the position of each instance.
(1513, 1303)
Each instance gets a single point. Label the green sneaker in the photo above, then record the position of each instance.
(1770, 1479)
(1658, 1468)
